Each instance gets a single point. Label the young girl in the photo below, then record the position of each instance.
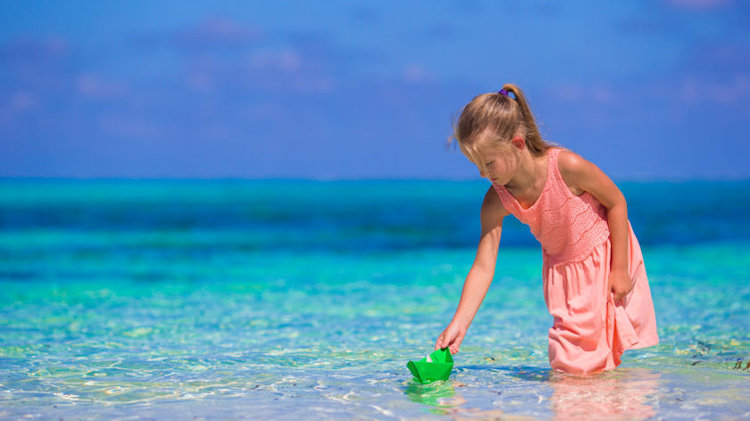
(595, 283)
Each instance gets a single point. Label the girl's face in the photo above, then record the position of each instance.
(500, 164)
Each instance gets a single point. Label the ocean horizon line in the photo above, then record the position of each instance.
(667, 180)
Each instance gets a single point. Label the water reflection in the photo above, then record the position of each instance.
(439, 395)
(442, 398)
(619, 394)
(614, 395)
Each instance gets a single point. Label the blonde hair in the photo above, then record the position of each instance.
(501, 118)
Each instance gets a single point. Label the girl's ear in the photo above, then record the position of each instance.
(518, 142)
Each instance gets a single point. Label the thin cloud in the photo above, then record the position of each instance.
(25, 49)
(18, 103)
(209, 34)
(95, 86)
(415, 73)
(699, 5)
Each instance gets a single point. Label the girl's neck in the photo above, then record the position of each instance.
(530, 174)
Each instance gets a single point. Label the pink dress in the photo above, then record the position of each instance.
(589, 332)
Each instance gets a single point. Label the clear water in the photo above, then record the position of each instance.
(298, 299)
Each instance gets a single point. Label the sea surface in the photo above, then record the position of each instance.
(292, 299)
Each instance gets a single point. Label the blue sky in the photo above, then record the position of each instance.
(331, 90)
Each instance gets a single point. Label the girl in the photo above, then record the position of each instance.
(595, 283)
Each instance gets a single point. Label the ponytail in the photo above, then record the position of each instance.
(537, 146)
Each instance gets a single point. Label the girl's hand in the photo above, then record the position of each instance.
(451, 337)
(620, 284)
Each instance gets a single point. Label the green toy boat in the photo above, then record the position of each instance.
(436, 366)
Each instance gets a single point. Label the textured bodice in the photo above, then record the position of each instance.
(567, 226)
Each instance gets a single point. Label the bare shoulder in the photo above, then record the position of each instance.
(570, 162)
(492, 206)
(584, 176)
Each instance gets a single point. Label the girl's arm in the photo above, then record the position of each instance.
(480, 275)
(584, 175)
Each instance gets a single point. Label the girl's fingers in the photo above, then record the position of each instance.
(446, 343)
(451, 339)
(443, 341)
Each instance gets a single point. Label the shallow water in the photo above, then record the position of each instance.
(274, 299)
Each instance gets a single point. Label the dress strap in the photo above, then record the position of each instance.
(558, 183)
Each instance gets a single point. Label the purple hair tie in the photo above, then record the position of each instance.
(503, 92)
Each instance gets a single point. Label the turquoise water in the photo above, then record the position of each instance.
(299, 299)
